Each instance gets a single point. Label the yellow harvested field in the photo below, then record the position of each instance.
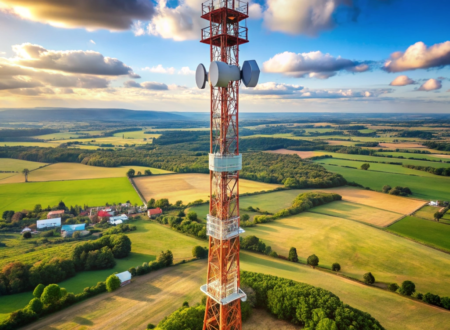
(76, 171)
(378, 200)
(188, 187)
(262, 320)
(359, 212)
(405, 145)
(301, 154)
(148, 299)
(441, 156)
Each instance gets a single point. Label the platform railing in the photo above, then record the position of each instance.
(238, 5)
(240, 32)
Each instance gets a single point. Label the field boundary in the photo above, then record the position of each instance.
(137, 190)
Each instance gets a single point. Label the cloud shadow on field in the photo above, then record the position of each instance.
(82, 321)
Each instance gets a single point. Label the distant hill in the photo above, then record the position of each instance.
(85, 114)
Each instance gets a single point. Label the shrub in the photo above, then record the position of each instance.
(151, 326)
(393, 287)
(369, 278)
(26, 235)
(293, 255)
(336, 267)
(245, 217)
(112, 283)
(132, 271)
(313, 261)
(192, 216)
(419, 296)
(199, 252)
(37, 293)
(165, 258)
(432, 299)
(51, 294)
(246, 311)
(35, 305)
(365, 166)
(184, 318)
(273, 254)
(408, 288)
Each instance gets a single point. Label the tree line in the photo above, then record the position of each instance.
(444, 171)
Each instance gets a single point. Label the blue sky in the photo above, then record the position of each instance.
(61, 58)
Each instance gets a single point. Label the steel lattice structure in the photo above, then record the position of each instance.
(224, 36)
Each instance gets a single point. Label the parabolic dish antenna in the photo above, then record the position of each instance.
(201, 76)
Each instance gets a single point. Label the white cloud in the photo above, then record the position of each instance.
(138, 28)
(90, 14)
(272, 88)
(92, 41)
(186, 71)
(180, 23)
(73, 61)
(419, 56)
(314, 64)
(402, 81)
(160, 69)
(149, 85)
(255, 11)
(430, 85)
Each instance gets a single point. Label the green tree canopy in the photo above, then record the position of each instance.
(369, 278)
(199, 252)
(165, 258)
(131, 173)
(408, 288)
(336, 267)
(293, 255)
(313, 261)
(112, 283)
(39, 290)
(51, 294)
(365, 166)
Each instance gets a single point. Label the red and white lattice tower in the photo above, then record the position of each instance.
(224, 35)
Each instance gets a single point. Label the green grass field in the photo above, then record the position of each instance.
(428, 188)
(375, 167)
(419, 156)
(429, 232)
(17, 165)
(359, 249)
(393, 311)
(427, 212)
(96, 192)
(271, 202)
(203, 210)
(31, 144)
(148, 241)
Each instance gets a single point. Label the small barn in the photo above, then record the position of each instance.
(117, 220)
(434, 203)
(153, 213)
(55, 214)
(48, 223)
(26, 230)
(125, 278)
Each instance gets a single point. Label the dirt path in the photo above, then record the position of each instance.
(148, 299)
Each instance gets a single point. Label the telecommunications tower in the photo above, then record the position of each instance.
(224, 35)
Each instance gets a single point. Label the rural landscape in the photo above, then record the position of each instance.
(224, 165)
(363, 196)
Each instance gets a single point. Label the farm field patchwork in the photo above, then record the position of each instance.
(203, 210)
(427, 212)
(374, 167)
(393, 311)
(425, 231)
(414, 155)
(188, 187)
(31, 144)
(359, 249)
(358, 212)
(9, 164)
(19, 196)
(427, 188)
(116, 141)
(76, 171)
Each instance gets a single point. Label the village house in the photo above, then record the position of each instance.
(125, 278)
(55, 214)
(153, 213)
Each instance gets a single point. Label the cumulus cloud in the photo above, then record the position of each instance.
(186, 71)
(255, 11)
(182, 22)
(89, 14)
(272, 88)
(430, 85)
(402, 81)
(312, 64)
(73, 61)
(160, 69)
(419, 56)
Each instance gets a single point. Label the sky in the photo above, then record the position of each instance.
(315, 55)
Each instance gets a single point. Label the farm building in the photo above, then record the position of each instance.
(68, 230)
(55, 214)
(103, 214)
(49, 223)
(125, 278)
(434, 203)
(152, 213)
(117, 220)
(25, 230)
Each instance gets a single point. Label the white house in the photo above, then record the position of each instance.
(118, 219)
(432, 203)
(26, 229)
(125, 278)
(48, 223)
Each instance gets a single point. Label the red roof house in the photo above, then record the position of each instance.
(154, 212)
(103, 214)
(55, 214)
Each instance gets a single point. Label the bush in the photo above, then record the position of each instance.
(408, 288)
(336, 267)
(51, 294)
(293, 255)
(369, 278)
(151, 326)
(112, 283)
(35, 305)
(192, 216)
(313, 261)
(246, 311)
(184, 318)
(37, 293)
(165, 258)
(245, 217)
(420, 296)
(273, 254)
(199, 252)
(26, 235)
(252, 243)
(393, 287)
(432, 299)
(132, 271)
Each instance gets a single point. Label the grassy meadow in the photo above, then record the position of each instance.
(428, 232)
(393, 311)
(17, 165)
(427, 188)
(189, 187)
(19, 196)
(362, 213)
(76, 171)
(359, 249)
